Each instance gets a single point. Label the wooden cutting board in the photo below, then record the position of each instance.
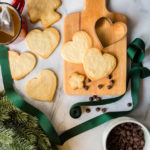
(87, 20)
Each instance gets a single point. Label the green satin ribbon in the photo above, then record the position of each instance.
(136, 51)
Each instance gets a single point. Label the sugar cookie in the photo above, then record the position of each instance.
(76, 81)
(98, 65)
(73, 51)
(43, 43)
(43, 87)
(44, 10)
(21, 64)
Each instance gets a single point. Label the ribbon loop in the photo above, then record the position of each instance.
(75, 112)
(136, 50)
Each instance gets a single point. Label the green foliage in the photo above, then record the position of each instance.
(18, 130)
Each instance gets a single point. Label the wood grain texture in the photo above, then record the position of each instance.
(86, 21)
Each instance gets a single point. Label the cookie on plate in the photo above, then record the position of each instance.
(44, 10)
(21, 64)
(76, 81)
(43, 87)
(43, 43)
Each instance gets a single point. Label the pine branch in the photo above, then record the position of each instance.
(18, 130)
(6, 135)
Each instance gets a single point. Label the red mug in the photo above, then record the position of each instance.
(20, 23)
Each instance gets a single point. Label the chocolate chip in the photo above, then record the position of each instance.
(104, 110)
(109, 77)
(135, 139)
(98, 109)
(129, 104)
(86, 87)
(112, 81)
(109, 87)
(100, 86)
(135, 146)
(98, 99)
(88, 80)
(88, 110)
(140, 133)
(128, 133)
(126, 136)
(91, 98)
(130, 148)
(142, 143)
(123, 133)
(134, 134)
(94, 96)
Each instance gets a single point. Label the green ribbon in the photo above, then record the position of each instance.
(136, 52)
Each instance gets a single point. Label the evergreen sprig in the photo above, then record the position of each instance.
(19, 130)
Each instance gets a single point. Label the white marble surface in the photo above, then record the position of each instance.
(138, 14)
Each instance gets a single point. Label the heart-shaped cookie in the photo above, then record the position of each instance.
(43, 87)
(73, 51)
(21, 65)
(98, 65)
(43, 43)
(109, 33)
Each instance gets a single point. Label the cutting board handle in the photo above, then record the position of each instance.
(94, 10)
(96, 5)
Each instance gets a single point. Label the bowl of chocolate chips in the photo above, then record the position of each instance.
(126, 134)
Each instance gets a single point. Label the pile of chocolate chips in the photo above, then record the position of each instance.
(127, 136)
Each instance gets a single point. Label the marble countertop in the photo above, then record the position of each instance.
(138, 14)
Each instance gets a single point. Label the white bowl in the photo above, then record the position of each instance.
(121, 120)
